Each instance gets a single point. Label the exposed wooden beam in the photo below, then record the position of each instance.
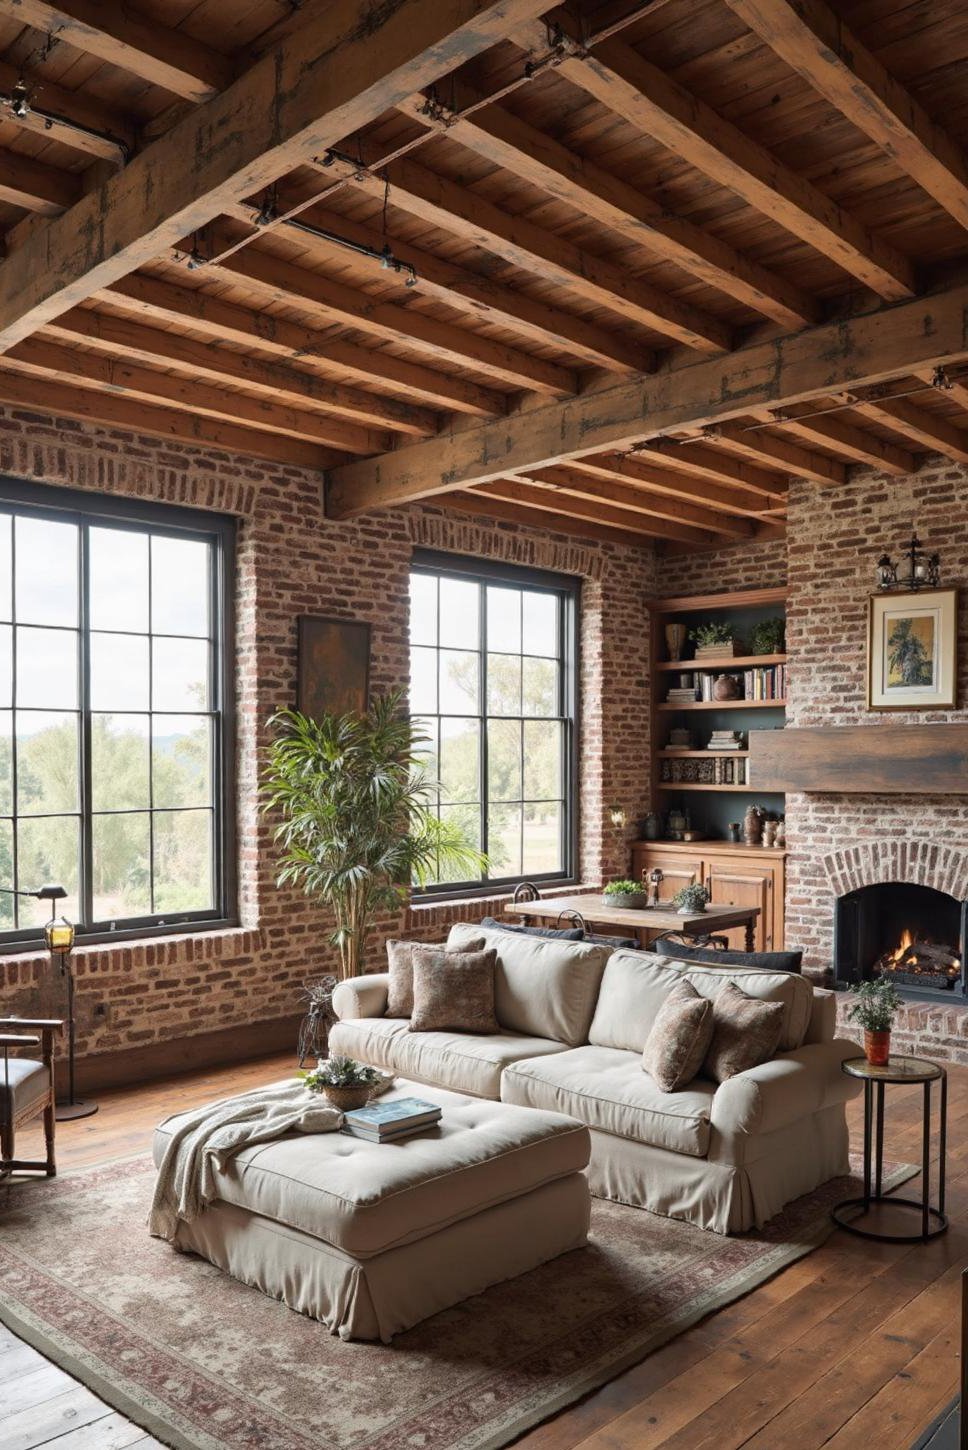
(702, 491)
(834, 430)
(512, 513)
(35, 186)
(129, 379)
(649, 99)
(559, 504)
(686, 392)
(815, 41)
(509, 142)
(577, 483)
(187, 307)
(339, 71)
(387, 321)
(73, 118)
(937, 434)
(116, 32)
(48, 395)
(779, 452)
(120, 336)
(454, 208)
(696, 459)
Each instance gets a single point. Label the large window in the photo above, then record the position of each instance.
(493, 687)
(114, 742)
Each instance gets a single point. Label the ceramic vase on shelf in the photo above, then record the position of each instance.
(877, 1047)
(726, 687)
(675, 638)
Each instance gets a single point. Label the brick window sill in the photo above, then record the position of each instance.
(220, 940)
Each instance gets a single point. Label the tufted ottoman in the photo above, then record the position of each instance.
(370, 1238)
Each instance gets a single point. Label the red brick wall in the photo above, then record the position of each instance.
(739, 566)
(292, 561)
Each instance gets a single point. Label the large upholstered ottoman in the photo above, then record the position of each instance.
(370, 1238)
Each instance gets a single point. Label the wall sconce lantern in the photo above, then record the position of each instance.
(618, 818)
(917, 569)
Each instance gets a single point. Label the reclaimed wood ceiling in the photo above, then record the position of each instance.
(647, 261)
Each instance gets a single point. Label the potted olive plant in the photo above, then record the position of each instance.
(691, 900)
(873, 1008)
(627, 894)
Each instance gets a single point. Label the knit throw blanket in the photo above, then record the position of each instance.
(205, 1140)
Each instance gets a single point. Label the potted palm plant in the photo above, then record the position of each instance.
(873, 1008)
(358, 826)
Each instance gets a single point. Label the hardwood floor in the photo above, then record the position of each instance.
(855, 1346)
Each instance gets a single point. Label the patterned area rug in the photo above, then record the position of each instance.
(204, 1363)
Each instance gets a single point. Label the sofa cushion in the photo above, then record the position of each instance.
(453, 991)
(635, 984)
(768, 961)
(607, 1089)
(542, 988)
(746, 1033)
(681, 1035)
(451, 1059)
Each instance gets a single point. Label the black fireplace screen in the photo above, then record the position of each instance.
(913, 934)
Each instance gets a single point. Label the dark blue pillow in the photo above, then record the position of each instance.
(569, 934)
(615, 942)
(769, 961)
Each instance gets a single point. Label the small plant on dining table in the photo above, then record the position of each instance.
(691, 899)
(627, 894)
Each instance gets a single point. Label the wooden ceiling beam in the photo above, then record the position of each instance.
(70, 117)
(686, 393)
(836, 432)
(387, 321)
(481, 296)
(558, 504)
(339, 71)
(115, 32)
(932, 432)
(776, 452)
(817, 43)
(575, 482)
(35, 186)
(658, 106)
(128, 379)
(119, 336)
(703, 491)
(695, 459)
(187, 307)
(524, 517)
(454, 208)
(504, 139)
(47, 395)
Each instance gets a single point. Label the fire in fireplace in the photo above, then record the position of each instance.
(916, 935)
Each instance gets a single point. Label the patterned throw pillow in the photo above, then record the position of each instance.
(746, 1032)
(680, 1038)
(453, 991)
(400, 961)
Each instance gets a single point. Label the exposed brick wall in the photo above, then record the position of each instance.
(739, 566)
(292, 561)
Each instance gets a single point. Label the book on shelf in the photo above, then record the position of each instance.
(389, 1119)
(765, 682)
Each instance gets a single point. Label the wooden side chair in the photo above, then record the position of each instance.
(26, 1088)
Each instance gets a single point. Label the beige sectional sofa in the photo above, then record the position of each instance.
(574, 1020)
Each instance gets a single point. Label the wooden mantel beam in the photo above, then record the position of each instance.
(885, 343)
(813, 40)
(341, 69)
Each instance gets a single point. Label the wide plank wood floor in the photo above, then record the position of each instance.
(855, 1346)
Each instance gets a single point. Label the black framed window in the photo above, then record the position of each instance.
(115, 712)
(493, 687)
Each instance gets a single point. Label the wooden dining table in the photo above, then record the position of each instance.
(646, 923)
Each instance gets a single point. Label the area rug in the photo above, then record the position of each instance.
(204, 1363)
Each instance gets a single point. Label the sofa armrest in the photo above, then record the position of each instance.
(792, 1086)
(822, 1026)
(362, 996)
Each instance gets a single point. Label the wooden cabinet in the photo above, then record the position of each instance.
(733, 875)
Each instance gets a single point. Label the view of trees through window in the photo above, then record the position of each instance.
(107, 719)
(488, 688)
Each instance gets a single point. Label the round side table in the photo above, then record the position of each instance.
(898, 1070)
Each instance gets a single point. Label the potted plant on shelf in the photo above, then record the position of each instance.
(626, 894)
(873, 1008)
(768, 637)
(713, 640)
(691, 900)
(346, 1082)
(358, 825)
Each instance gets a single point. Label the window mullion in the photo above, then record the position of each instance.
(482, 749)
(85, 782)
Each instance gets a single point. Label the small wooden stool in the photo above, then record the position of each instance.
(26, 1090)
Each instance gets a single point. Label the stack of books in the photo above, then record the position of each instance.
(725, 740)
(386, 1122)
(715, 651)
(682, 694)
(766, 683)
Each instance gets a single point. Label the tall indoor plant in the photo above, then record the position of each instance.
(357, 822)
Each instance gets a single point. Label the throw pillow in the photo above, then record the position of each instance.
(768, 961)
(680, 1037)
(400, 962)
(453, 991)
(746, 1032)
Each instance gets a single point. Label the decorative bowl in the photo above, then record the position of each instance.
(347, 1098)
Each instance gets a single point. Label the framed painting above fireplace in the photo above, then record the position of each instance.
(912, 658)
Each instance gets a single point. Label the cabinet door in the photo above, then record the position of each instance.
(743, 883)
(677, 871)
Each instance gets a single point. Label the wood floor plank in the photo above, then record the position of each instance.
(40, 1424)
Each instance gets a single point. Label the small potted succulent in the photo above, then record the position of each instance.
(873, 1008)
(691, 900)
(627, 894)
(348, 1084)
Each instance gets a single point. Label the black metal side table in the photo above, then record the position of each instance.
(898, 1070)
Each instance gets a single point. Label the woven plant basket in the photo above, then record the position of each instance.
(348, 1098)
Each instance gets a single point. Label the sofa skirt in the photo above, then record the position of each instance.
(377, 1297)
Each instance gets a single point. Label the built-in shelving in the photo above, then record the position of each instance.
(723, 705)
(735, 662)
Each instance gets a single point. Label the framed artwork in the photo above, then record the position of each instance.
(334, 666)
(912, 660)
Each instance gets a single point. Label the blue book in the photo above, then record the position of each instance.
(387, 1117)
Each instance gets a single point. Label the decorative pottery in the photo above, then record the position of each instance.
(781, 833)
(690, 910)
(753, 825)
(726, 687)
(630, 901)
(735, 832)
(675, 637)
(769, 833)
(676, 823)
(877, 1047)
(652, 827)
(348, 1098)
